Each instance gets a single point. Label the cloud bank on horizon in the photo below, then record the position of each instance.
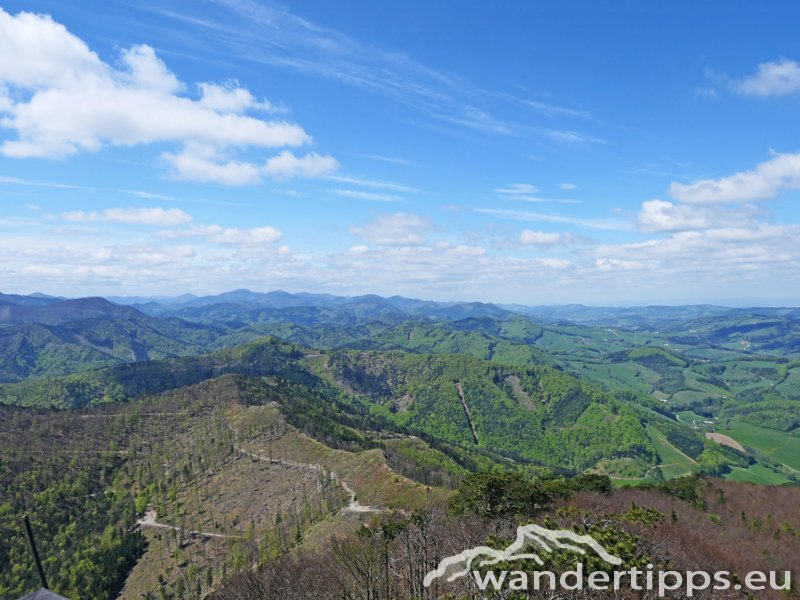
(245, 145)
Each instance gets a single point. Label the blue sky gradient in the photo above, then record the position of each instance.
(526, 152)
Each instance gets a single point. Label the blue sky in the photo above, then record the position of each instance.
(527, 152)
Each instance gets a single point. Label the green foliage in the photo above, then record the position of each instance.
(83, 519)
(686, 488)
(683, 438)
(546, 418)
(264, 358)
(513, 495)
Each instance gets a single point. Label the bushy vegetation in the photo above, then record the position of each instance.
(689, 524)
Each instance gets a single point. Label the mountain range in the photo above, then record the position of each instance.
(677, 373)
(175, 443)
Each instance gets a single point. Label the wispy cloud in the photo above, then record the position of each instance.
(525, 193)
(270, 33)
(515, 189)
(390, 159)
(535, 217)
(131, 216)
(568, 136)
(548, 109)
(374, 183)
(7, 180)
(370, 196)
(148, 195)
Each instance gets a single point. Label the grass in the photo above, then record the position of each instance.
(778, 445)
(687, 417)
(626, 482)
(758, 474)
(366, 472)
(674, 463)
(790, 387)
(628, 374)
(685, 397)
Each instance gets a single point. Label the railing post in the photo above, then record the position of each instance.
(35, 553)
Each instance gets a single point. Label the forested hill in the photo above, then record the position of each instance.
(232, 438)
(42, 336)
(68, 336)
(533, 415)
(716, 388)
(232, 492)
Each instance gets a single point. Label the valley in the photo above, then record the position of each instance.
(275, 426)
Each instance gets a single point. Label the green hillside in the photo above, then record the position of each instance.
(142, 419)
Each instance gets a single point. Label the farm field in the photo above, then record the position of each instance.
(687, 417)
(778, 445)
(758, 474)
(674, 463)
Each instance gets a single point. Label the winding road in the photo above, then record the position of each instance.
(150, 519)
(353, 505)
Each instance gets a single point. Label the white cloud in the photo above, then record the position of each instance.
(287, 165)
(772, 79)
(758, 233)
(766, 181)
(553, 263)
(60, 99)
(203, 163)
(226, 235)
(40, 270)
(613, 264)
(131, 216)
(398, 229)
(229, 98)
(716, 253)
(399, 254)
(567, 186)
(145, 71)
(660, 215)
(543, 238)
(372, 196)
(35, 52)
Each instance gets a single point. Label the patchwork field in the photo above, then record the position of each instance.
(777, 445)
(674, 463)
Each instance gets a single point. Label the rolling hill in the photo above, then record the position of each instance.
(177, 450)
